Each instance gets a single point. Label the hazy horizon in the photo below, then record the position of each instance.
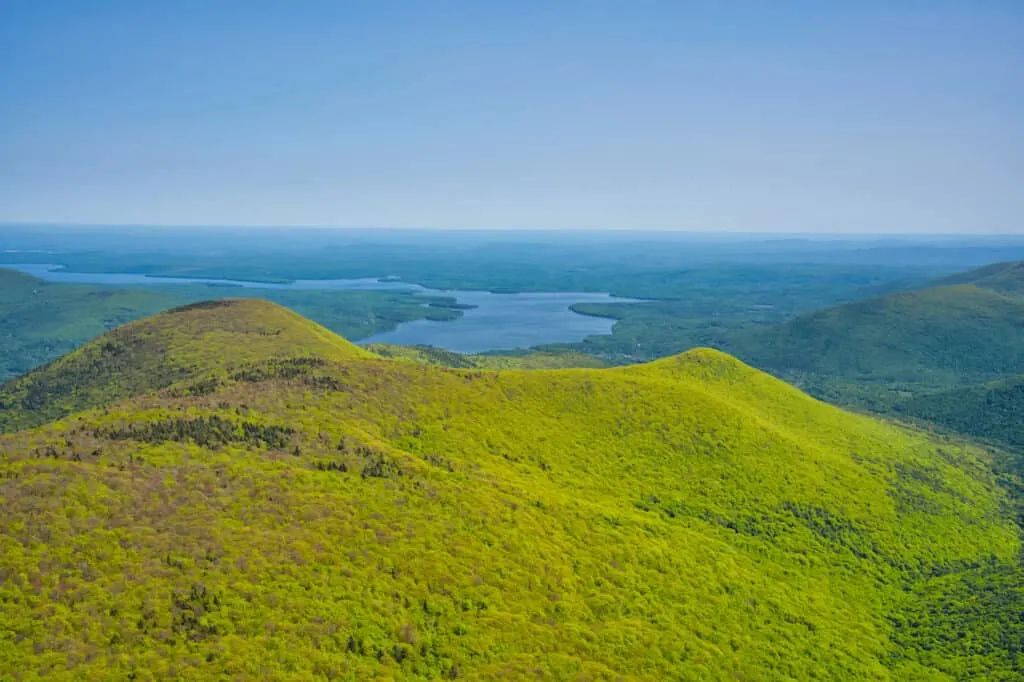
(49, 237)
(789, 119)
(730, 235)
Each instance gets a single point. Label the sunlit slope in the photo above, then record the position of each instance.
(951, 353)
(363, 518)
(427, 355)
(41, 321)
(156, 351)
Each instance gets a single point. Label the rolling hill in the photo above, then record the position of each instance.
(155, 352)
(240, 494)
(1006, 278)
(40, 321)
(969, 329)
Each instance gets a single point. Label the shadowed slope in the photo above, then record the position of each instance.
(933, 338)
(155, 352)
(992, 411)
(1006, 278)
(40, 321)
(356, 517)
(14, 284)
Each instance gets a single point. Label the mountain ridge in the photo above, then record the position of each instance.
(942, 354)
(1006, 277)
(297, 513)
(869, 352)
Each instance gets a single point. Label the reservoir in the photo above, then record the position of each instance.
(497, 322)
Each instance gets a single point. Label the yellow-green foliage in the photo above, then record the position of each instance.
(40, 321)
(334, 515)
(538, 360)
(444, 358)
(157, 351)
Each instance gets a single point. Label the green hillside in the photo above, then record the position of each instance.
(289, 507)
(155, 352)
(40, 321)
(428, 355)
(1007, 278)
(993, 411)
(950, 354)
(882, 350)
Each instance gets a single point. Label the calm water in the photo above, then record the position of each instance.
(499, 322)
(53, 273)
(505, 321)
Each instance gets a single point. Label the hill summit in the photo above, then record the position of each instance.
(154, 352)
(240, 494)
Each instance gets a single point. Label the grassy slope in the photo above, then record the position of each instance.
(352, 517)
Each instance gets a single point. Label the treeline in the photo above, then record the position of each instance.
(204, 431)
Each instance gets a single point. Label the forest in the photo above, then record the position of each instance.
(542, 341)
(229, 488)
(285, 505)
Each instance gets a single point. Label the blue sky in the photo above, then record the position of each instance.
(866, 116)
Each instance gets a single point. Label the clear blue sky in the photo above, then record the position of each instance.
(865, 116)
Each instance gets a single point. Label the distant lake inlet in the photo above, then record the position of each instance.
(489, 321)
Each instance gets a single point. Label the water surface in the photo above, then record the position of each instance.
(505, 321)
(56, 273)
(497, 322)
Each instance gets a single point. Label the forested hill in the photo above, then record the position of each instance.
(877, 351)
(41, 321)
(157, 351)
(280, 505)
(1006, 278)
